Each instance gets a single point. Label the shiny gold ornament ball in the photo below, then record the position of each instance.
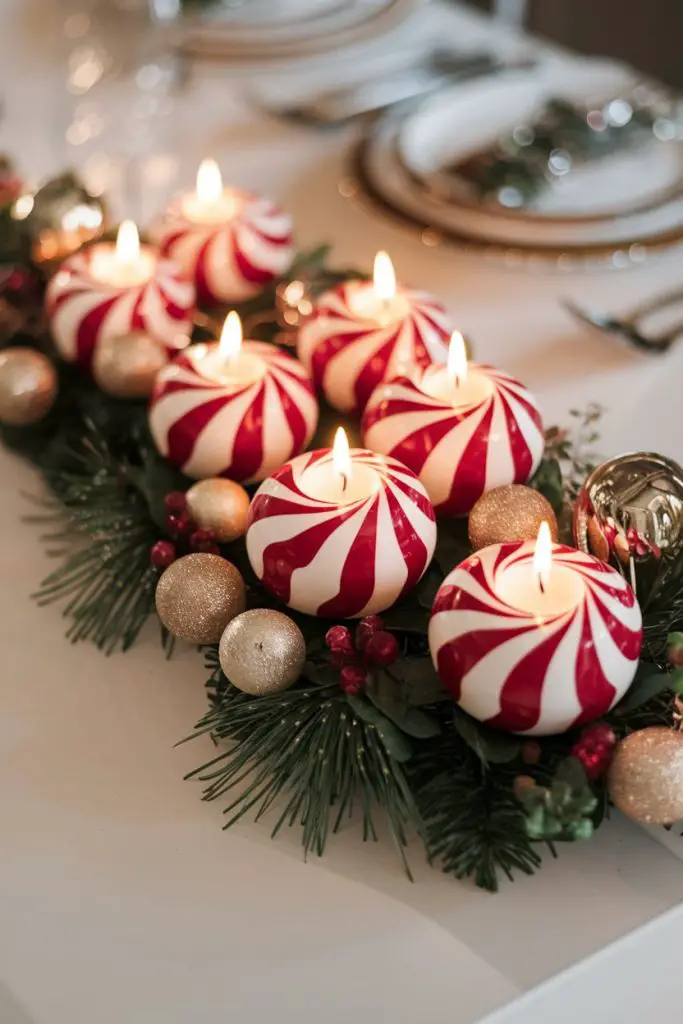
(630, 513)
(645, 779)
(510, 513)
(28, 386)
(219, 505)
(126, 366)
(197, 596)
(262, 651)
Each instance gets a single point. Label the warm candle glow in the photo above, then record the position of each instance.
(127, 243)
(209, 182)
(456, 364)
(543, 556)
(384, 277)
(230, 344)
(341, 457)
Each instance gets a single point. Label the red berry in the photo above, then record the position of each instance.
(339, 640)
(352, 679)
(600, 733)
(175, 501)
(202, 540)
(381, 648)
(594, 749)
(162, 554)
(366, 627)
(179, 525)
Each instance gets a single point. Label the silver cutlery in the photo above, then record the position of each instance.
(628, 327)
(336, 107)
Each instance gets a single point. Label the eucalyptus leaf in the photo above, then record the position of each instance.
(570, 773)
(395, 743)
(647, 684)
(491, 746)
(388, 696)
(421, 683)
(675, 681)
(321, 674)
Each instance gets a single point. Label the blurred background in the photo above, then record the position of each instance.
(646, 35)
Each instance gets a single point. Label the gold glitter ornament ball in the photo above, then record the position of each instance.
(219, 505)
(262, 651)
(509, 513)
(126, 366)
(198, 595)
(645, 779)
(28, 386)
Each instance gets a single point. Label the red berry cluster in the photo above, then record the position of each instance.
(594, 749)
(184, 532)
(373, 646)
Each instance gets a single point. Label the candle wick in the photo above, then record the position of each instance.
(344, 481)
(540, 584)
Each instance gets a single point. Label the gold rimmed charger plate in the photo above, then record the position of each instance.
(623, 253)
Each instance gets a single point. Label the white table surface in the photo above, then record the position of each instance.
(122, 899)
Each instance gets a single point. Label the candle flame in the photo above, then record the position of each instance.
(209, 182)
(384, 277)
(341, 457)
(127, 243)
(543, 555)
(456, 365)
(230, 344)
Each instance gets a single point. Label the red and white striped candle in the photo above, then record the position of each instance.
(231, 242)
(107, 291)
(235, 409)
(535, 639)
(340, 533)
(362, 333)
(463, 428)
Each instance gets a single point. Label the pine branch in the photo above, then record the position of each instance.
(309, 752)
(475, 824)
(101, 531)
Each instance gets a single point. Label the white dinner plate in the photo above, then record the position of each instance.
(612, 198)
(386, 180)
(260, 13)
(338, 25)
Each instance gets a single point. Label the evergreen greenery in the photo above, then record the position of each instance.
(315, 756)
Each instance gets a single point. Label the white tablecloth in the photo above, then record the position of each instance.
(122, 900)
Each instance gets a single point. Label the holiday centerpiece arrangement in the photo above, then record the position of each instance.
(415, 601)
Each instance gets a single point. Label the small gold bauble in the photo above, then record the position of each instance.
(28, 386)
(197, 596)
(645, 779)
(219, 505)
(509, 513)
(262, 651)
(126, 366)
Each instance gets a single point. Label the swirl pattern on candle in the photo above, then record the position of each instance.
(242, 430)
(349, 356)
(341, 561)
(457, 453)
(533, 674)
(84, 312)
(233, 261)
